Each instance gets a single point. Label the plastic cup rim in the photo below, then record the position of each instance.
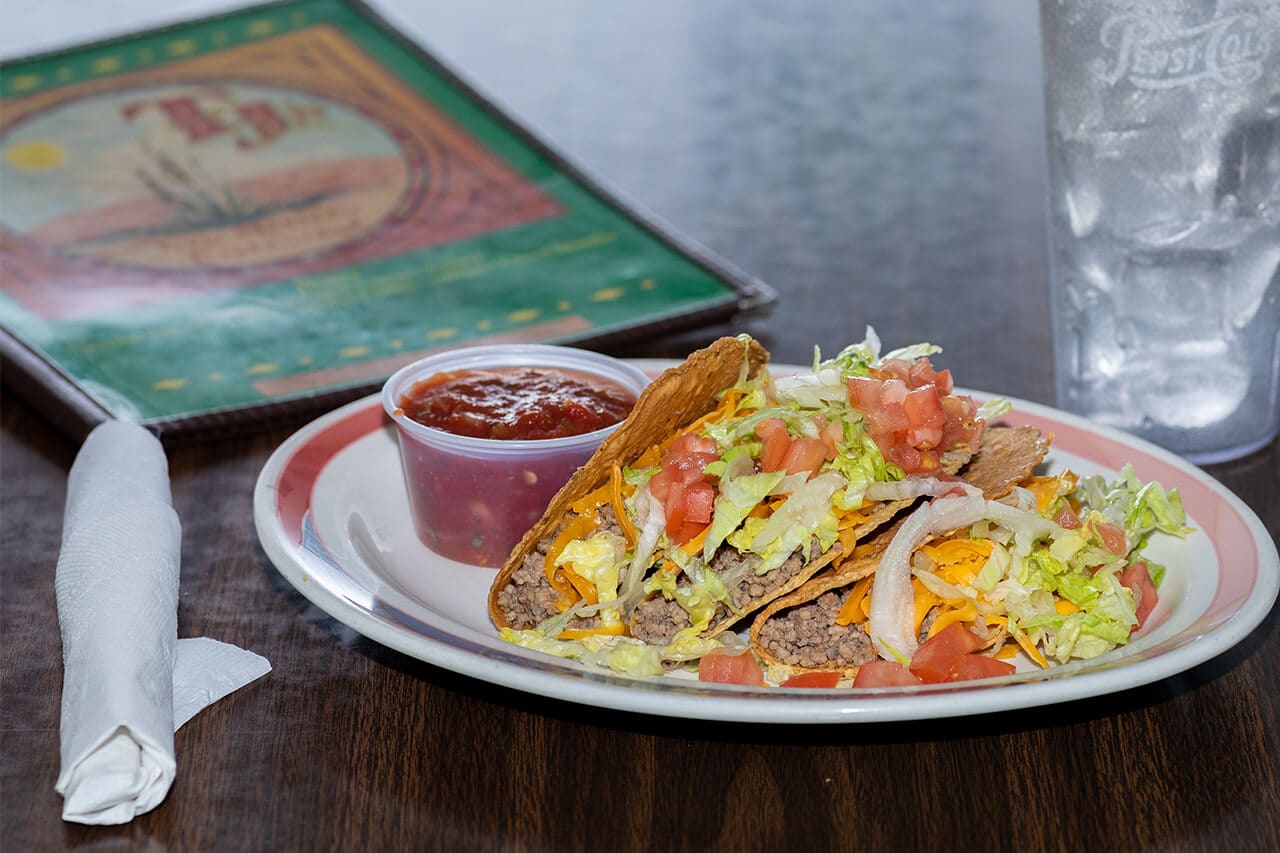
(482, 356)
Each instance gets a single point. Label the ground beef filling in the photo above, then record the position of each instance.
(529, 599)
(657, 620)
(807, 635)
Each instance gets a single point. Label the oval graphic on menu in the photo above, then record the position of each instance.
(202, 176)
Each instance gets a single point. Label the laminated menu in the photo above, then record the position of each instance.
(240, 219)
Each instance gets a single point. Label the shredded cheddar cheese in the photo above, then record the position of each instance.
(586, 589)
(593, 500)
(959, 560)
(848, 540)
(1029, 648)
(615, 629)
(925, 601)
(855, 609)
(617, 498)
(575, 527)
(1045, 489)
(967, 613)
(694, 545)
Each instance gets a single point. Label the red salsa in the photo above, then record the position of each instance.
(516, 403)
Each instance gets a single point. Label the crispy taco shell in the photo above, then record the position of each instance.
(801, 624)
(673, 400)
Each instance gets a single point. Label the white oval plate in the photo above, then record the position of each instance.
(332, 515)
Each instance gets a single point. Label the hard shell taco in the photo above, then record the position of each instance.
(1051, 566)
(723, 490)
(822, 625)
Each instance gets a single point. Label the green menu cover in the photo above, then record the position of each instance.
(218, 224)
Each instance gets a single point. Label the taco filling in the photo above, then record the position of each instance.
(725, 489)
(1055, 569)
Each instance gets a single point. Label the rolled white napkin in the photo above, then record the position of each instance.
(128, 681)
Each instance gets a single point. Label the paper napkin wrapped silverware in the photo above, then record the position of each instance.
(128, 681)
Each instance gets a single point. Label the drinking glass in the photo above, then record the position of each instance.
(1163, 124)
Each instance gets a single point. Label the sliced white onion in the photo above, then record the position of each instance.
(1027, 525)
(914, 487)
(892, 599)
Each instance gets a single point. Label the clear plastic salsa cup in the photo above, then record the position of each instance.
(473, 498)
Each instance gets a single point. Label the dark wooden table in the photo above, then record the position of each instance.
(877, 162)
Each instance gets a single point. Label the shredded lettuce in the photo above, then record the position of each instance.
(598, 558)
(1140, 508)
(806, 513)
(620, 654)
(995, 568)
(914, 352)
(994, 408)
(1059, 587)
(738, 497)
(702, 575)
(861, 463)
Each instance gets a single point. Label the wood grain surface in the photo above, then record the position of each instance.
(876, 162)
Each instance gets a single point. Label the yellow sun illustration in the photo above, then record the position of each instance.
(36, 155)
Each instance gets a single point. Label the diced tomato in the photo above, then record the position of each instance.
(910, 459)
(813, 679)
(686, 531)
(675, 507)
(691, 443)
(776, 443)
(832, 434)
(939, 655)
(972, 667)
(724, 666)
(684, 490)
(660, 486)
(1112, 537)
(891, 417)
(804, 455)
(911, 414)
(1067, 517)
(895, 391)
(928, 421)
(1137, 578)
(700, 501)
(964, 427)
(921, 373)
(893, 368)
(865, 393)
(688, 455)
(688, 467)
(884, 673)
(924, 407)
